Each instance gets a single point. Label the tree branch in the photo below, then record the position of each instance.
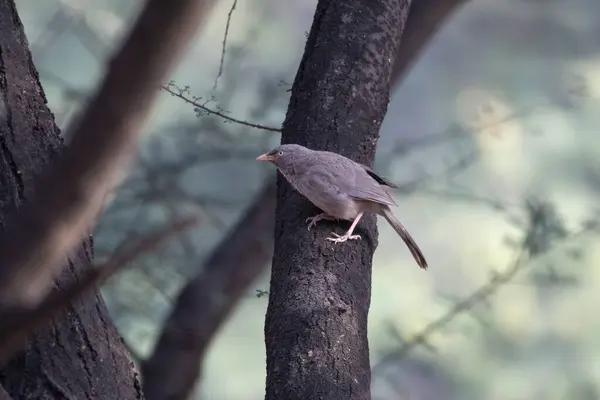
(233, 5)
(184, 340)
(70, 195)
(526, 255)
(319, 296)
(425, 19)
(203, 305)
(19, 324)
(183, 94)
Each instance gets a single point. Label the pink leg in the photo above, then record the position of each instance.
(317, 218)
(348, 235)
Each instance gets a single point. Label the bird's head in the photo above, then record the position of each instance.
(284, 156)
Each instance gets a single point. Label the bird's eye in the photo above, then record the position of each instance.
(280, 153)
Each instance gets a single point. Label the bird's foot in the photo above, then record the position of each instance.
(342, 238)
(319, 217)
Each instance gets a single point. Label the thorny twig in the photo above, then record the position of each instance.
(183, 94)
(224, 45)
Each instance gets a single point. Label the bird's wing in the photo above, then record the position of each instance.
(320, 187)
(318, 181)
(365, 185)
(380, 179)
(331, 177)
(373, 193)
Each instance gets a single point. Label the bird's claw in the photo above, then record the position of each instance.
(342, 238)
(312, 221)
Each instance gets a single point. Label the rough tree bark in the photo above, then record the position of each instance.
(316, 323)
(183, 341)
(81, 355)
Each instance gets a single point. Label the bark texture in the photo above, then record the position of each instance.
(316, 324)
(80, 355)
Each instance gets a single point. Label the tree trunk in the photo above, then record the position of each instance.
(81, 355)
(316, 323)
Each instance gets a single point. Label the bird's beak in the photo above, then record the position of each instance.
(265, 157)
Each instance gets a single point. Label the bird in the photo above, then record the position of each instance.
(342, 188)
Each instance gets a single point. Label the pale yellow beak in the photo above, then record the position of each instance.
(265, 157)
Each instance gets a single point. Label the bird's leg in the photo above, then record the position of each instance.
(317, 218)
(348, 235)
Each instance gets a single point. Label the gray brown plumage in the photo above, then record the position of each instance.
(341, 188)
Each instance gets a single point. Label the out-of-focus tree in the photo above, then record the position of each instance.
(176, 156)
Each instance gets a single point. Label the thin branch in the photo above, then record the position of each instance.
(467, 197)
(523, 259)
(202, 306)
(456, 131)
(70, 195)
(449, 172)
(181, 93)
(18, 324)
(224, 45)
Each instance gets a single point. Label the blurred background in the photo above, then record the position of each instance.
(491, 136)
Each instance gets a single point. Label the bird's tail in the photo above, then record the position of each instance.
(410, 242)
